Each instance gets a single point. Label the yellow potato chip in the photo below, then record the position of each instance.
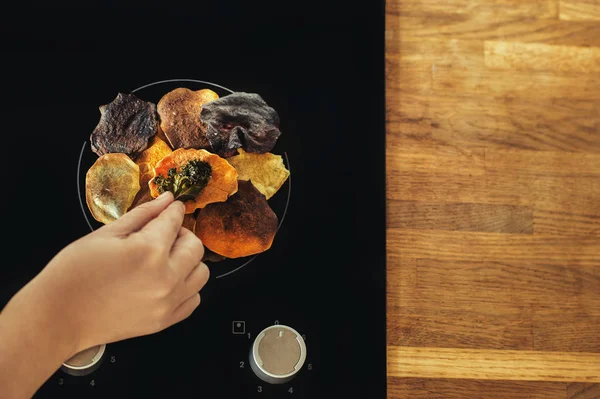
(266, 171)
(111, 185)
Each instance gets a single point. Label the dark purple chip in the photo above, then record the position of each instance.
(126, 125)
(240, 120)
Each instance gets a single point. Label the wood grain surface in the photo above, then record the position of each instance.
(493, 198)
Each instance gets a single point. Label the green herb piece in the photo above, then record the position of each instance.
(188, 182)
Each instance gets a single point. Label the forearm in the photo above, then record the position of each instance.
(34, 341)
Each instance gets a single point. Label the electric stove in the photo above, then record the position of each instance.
(320, 289)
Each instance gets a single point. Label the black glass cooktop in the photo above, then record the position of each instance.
(320, 65)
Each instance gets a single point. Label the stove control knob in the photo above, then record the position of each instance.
(84, 362)
(278, 354)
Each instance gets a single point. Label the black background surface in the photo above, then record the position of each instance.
(320, 65)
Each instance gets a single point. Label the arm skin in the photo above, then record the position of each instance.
(36, 338)
(135, 276)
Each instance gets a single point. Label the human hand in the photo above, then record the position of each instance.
(135, 276)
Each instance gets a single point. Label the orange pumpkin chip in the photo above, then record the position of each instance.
(244, 225)
(141, 197)
(157, 150)
(223, 181)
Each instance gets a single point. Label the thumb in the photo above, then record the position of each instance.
(139, 216)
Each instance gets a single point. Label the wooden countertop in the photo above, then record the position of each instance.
(493, 188)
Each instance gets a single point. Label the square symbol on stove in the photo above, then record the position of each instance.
(239, 327)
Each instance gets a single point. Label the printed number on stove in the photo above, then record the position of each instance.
(241, 365)
(259, 388)
(61, 381)
(291, 390)
(93, 383)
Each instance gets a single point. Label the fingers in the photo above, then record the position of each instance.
(138, 217)
(187, 252)
(165, 227)
(194, 282)
(198, 278)
(186, 308)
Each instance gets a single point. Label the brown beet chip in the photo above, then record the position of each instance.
(141, 197)
(179, 112)
(160, 134)
(240, 120)
(210, 256)
(244, 225)
(126, 125)
(189, 221)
